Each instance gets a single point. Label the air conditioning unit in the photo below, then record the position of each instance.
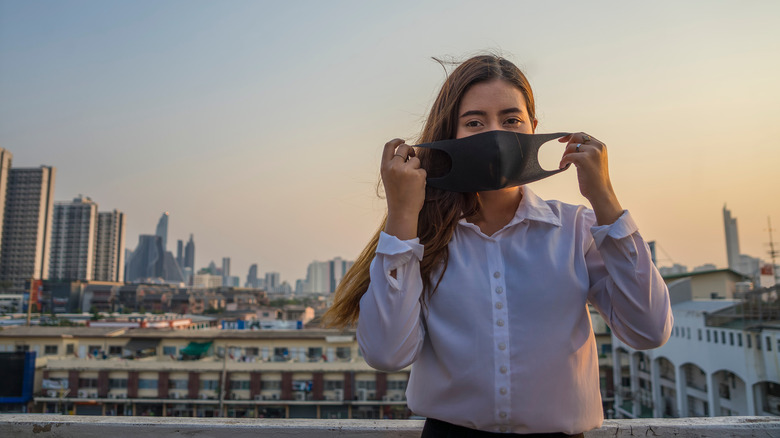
(398, 397)
(121, 395)
(385, 398)
(83, 393)
(338, 394)
(362, 396)
(175, 395)
(51, 393)
(260, 397)
(299, 396)
(274, 396)
(204, 397)
(111, 395)
(371, 395)
(234, 396)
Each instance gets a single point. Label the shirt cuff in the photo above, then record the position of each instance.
(397, 253)
(621, 228)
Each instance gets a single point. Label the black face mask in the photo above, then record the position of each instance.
(492, 160)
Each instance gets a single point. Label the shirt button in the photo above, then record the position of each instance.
(502, 391)
(499, 305)
(500, 323)
(503, 370)
(502, 346)
(496, 274)
(499, 290)
(502, 414)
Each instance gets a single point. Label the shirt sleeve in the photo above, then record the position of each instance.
(390, 331)
(625, 285)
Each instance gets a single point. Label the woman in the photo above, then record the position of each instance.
(485, 294)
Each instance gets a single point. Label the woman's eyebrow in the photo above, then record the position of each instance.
(483, 113)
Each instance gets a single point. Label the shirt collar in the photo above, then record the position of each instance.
(531, 207)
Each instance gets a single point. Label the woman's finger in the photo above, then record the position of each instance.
(389, 150)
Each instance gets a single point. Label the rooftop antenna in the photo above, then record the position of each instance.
(773, 253)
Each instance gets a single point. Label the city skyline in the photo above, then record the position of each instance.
(259, 128)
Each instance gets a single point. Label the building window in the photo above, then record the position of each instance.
(731, 338)
(396, 385)
(739, 339)
(117, 383)
(606, 348)
(270, 384)
(169, 351)
(768, 344)
(749, 338)
(366, 384)
(252, 351)
(115, 350)
(94, 350)
(239, 384)
(87, 383)
(758, 342)
(723, 337)
(147, 383)
(330, 385)
(344, 353)
(50, 349)
(209, 384)
(178, 384)
(22, 348)
(688, 332)
(700, 334)
(69, 349)
(715, 336)
(708, 335)
(315, 354)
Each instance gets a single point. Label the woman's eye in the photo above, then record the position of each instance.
(473, 123)
(513, 121)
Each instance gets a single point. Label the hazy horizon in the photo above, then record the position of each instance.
(259, 126)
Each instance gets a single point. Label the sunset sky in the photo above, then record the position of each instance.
(259, 125)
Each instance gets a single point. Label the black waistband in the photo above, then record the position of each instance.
(441, 429)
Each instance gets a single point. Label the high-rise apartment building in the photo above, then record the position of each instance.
(272, 281)
(180, 253)
(73, 239)
(324, 277)
(732, 239)
(27, 226)
(5, 167)
(162, 230)
(110, 247)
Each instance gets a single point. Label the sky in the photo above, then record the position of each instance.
(259, 125)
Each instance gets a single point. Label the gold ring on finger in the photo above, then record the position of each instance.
(402, 157)
(586, 138)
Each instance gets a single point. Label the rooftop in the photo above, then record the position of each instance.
(210, 334)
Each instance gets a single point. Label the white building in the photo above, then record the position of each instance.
(73, 239)
(27, 226)
(5, 167)
(723, 357)
(206, 281)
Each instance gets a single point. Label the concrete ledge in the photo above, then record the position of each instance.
(44, 426)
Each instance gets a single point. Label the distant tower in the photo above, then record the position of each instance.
(251, 278)
(180, 253)
(225, 271)
(27, 225)
(73, 240)
(732, 239)
(189, 254)
(162, 230)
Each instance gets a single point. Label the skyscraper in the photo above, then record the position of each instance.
(73, 240)
(110, 247)
(732, 239)
(189, 254)
(5, 167)
(162, 230)
(272, 281)
(225, 271)
(180, 253)
(251, 278)
(27, 227)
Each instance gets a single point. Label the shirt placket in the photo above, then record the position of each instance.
(500, 325)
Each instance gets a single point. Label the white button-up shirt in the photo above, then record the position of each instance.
(505, 343)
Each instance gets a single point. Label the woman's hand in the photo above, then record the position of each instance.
(404, 183)
(589, 156)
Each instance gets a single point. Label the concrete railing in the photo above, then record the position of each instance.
(74, 426)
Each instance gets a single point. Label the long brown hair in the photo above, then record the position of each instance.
(442, 209)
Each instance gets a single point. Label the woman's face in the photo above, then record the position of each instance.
(492, 106)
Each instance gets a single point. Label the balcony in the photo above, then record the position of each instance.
(67, 426)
